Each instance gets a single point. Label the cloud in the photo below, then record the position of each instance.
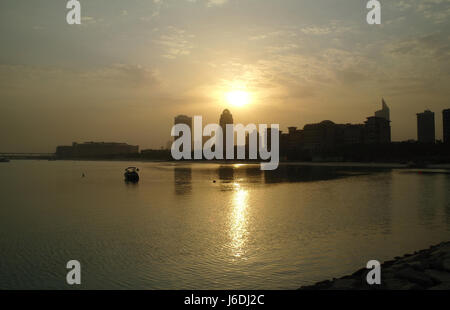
(212, 3)
(431, 46)
(438, 11)
(158, 5)
(333, 27)
(115, 77)
(176, 43)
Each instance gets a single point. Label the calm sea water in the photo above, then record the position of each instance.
(177, 229)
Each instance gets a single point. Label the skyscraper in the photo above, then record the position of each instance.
(425, 127)
(225, 118)
(384, 112)
(446, 125)
(377, 129)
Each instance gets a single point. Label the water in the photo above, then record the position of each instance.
(177, 229)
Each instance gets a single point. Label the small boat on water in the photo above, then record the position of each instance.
(4, 160)
(131, 175)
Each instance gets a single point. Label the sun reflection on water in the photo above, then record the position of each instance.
(238, 220)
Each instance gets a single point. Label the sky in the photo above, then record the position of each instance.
(132, 66)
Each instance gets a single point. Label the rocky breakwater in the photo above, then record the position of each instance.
(424, 270)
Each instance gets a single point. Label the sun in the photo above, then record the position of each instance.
(238, 98)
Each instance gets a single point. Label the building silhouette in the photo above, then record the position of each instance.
(425, 127)
(324, 135)
(446, 125)
(186, 120)
(183, 119)
(384, 112)
(292, 139)
(377, 130)
(96, 149)
(248, 141)
(327, 135)
(225, 118)
(353, 134)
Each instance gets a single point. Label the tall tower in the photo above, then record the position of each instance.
(384, 112)
(425, 127)
(377, 129)
(446, 125)
(225, 118)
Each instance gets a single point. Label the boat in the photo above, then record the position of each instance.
(4, 160)
(131, 175)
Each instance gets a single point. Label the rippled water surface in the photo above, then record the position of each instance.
(178, 229)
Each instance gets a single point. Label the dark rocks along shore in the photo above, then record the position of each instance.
(424, 270)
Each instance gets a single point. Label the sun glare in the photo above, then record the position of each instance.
(238, 98)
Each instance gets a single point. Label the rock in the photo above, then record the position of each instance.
(425, 269)
(436, 263)
(344, 284)
(396, 267)
(438, 276)
(441, 287)
(440, 264)
(387, 274)
(400, 284)
(419, 266)
(443, 250)
(446, 264)
(415, 277)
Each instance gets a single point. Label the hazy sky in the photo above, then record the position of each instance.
(133, 65)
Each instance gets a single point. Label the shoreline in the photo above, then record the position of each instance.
(427, 269)
(389, 165)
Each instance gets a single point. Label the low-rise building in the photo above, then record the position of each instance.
(96, 149)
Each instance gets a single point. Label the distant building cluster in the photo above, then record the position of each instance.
(352, 141)
(319, 138)
(329, 135)
(96, 149)
(426, 132)
(314, 138)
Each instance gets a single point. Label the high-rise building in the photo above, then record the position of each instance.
(183, 119)
(384, 112)
(425, 127)
(225, 118)
(377, 130)
(446, 125)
